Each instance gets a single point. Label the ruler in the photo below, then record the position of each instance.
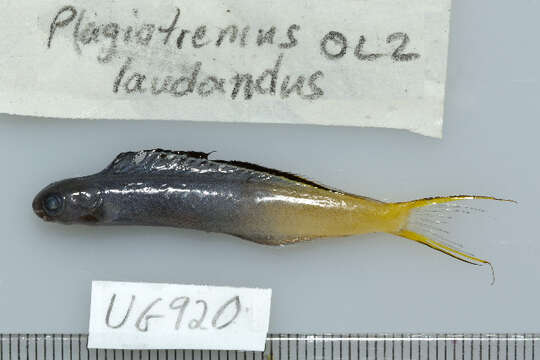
(292, 347)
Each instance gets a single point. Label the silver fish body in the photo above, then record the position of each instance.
(186, 190)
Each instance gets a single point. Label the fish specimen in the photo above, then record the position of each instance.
(186, 189)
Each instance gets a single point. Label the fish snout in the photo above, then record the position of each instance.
(37, 206)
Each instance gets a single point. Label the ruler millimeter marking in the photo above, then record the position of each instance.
(292, 347)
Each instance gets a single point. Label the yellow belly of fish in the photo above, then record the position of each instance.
(298, 216)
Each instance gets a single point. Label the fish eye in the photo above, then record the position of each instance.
(52, 204)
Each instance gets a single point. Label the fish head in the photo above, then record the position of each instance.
(69, 201)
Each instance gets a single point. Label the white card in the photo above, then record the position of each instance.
(351, 62)
(127, 315)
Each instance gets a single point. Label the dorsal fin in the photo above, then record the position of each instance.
(275, 172)
(172, 163)
(145, 161)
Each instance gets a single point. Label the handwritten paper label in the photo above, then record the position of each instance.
(364, 63)
(165, 316)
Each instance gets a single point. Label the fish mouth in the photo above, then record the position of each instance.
(38, 210)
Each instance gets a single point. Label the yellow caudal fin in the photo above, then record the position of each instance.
(425, 220)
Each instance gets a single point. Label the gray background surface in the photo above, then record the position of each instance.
(369, 283)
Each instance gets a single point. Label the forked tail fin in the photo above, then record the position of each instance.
(425, 222)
